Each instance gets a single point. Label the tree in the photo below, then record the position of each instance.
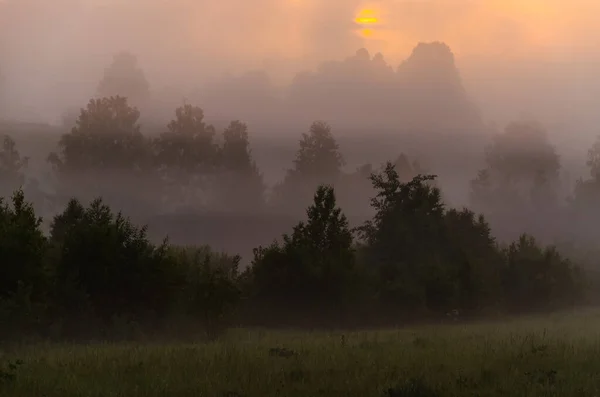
(587, 191)
(106, 135)
(124, 78)
(314, 265)
(210, 289)
(474, 253)
(12, 167)
(521, 177)
(240, 184)
(318, 155)
(539, 278)
(405, 239)
(318, 161)
(105, 259)
(103, 153)
(516, 163)
(25, 280)
(584, 201)
(186, 155)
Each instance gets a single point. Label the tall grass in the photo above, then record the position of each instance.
(546, 356)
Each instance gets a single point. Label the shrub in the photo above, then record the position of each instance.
(210, 290)
(25, 276)
(106, 263)
(314, 265)
(539, 278)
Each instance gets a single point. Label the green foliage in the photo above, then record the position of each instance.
(473, 251)
(239, 184)
(412, 388)
(427, 257)
(104, 257)
(186, 155)
(12, 166)
(106, 136)
(314, 265)
(539, 278)
(318, 153)
(416, 256)
(22, 246)
(188, 143)
(404, 238)
(25, 276)
(210, 285)
(318, 161)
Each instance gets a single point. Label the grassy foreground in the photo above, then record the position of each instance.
(557, 355)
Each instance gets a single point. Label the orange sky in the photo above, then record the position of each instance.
(249, 30)
(46, 43)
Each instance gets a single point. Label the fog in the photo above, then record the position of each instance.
(537, 57)
(280, 64)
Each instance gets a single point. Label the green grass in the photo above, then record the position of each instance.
(556, 355)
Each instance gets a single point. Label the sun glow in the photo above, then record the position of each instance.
(367, 17)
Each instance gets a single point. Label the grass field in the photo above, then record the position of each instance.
(556, 355)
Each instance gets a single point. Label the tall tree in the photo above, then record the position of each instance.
(103, 152)
(186, 156)
(314, 265)
(124, 78)
(106, 135)
(585, 199)
(12, 167)
(318, 161)
(521, 176)
(240, 184)
(423, 256)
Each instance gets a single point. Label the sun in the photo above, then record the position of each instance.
(367, 17)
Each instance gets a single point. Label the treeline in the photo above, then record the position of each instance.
(188, 167)
(192, 168)
(95, 274)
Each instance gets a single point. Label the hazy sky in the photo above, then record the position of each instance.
(61, 46)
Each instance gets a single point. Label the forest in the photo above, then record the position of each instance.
(408, 256)
(138, 252)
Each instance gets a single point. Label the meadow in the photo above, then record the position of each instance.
(555, 355)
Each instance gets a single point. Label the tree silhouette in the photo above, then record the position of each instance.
(314, 264)
(12, 167)
(124, 78)
(106, 135)
(186, 155)
(521, 176)
(318, 161)
(585, 198)
(103, 256)
(25, 284)
(240, 184)
(405, 237)
(103, 154)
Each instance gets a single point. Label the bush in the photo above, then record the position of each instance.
(107, 264)
(539, 278)
(25, 276)
(314, 265)
(210, 288)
